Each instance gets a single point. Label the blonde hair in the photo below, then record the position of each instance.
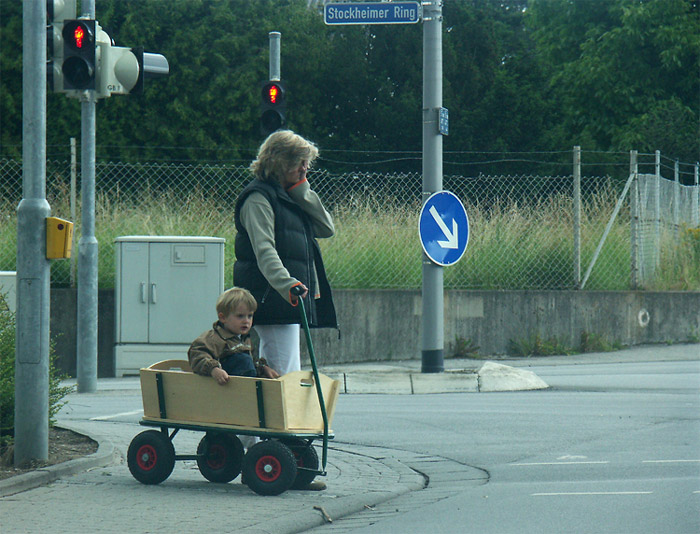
(281, 152)
(229, 301)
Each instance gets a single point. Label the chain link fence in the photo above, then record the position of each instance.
(665, 215)
(522, 228)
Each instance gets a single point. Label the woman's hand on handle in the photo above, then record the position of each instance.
(298, 290)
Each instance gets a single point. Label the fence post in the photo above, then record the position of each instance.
(657, 210)
(73, 194)
(634, 222)
(696, 197)
(676, 199)
(577, 217)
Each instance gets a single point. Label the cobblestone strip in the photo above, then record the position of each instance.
(109, 500)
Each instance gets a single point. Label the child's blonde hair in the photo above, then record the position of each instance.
(230, 300)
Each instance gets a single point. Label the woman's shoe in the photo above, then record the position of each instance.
(316, 485)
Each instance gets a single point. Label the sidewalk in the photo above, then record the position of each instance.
(97, 493)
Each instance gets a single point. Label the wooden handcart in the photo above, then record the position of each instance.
(288, 414)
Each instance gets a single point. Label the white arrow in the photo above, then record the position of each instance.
(452, 241)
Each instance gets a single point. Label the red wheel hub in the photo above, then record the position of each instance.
(146, 457)
(268, 468)
(216, 456)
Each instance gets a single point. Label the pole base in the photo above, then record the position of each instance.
(432, 361)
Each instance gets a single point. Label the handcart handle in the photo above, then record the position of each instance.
(319, 392)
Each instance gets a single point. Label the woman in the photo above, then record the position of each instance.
(278, 218)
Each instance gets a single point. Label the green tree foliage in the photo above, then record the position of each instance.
(519, 75)
(624, 73)
(11, 77)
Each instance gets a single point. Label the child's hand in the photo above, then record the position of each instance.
(269, 372)
(219, 375)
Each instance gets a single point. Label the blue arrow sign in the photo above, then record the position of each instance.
(443, 227)
(372, 13)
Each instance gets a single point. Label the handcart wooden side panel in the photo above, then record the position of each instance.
(172, 393)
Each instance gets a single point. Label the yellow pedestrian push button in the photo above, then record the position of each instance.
(59, 238)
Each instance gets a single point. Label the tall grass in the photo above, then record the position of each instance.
(376, 246)
(511, 245)
(679, 268)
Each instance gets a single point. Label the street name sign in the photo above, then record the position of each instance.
(443, 227)
(372, 13)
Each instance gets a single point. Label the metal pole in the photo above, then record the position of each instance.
(73, 199)
(87, 246)
(432, 321)
(676, 198)
(577, 217)
(696, 197)
(657, 210)
(275, 38)
(634, 222)
(33, 269)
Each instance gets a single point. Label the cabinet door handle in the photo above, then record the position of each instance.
(153, 293)
(143, 292)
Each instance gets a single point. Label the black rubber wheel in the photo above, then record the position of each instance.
(220, 456)
(306, 458)
(269, 468)
(151, 457)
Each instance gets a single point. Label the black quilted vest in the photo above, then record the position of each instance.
(299, 252)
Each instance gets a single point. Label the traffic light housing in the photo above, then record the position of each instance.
(123, 70)
(273, 107)
(83, 57)
(79, 67)
(57, 11)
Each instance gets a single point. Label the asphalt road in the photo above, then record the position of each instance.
(609, 448)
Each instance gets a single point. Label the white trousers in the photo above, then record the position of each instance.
(279, 345)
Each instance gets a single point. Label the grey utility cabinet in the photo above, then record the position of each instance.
(165, 294)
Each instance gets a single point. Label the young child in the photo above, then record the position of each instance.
(225, 350)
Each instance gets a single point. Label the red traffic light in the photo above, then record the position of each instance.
(78, 34)
(79, 66)
(272, 107)
(273, 93)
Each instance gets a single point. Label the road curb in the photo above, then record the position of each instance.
(490, 377)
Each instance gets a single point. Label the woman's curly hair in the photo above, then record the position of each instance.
(281, 152)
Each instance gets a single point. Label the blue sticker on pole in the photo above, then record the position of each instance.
(443, 227)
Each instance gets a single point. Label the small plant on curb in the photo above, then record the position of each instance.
(537, 346)
(463, 348)
(7, 382)
(591, 342)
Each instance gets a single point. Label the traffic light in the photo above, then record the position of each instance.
(123, 70)
(79, 66)
(273, 106)
(57, 11)
(83, 57)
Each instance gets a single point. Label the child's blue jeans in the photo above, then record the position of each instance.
(239, 364)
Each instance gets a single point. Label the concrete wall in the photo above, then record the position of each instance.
(64, 311)
(385, 325)
(382, 325)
